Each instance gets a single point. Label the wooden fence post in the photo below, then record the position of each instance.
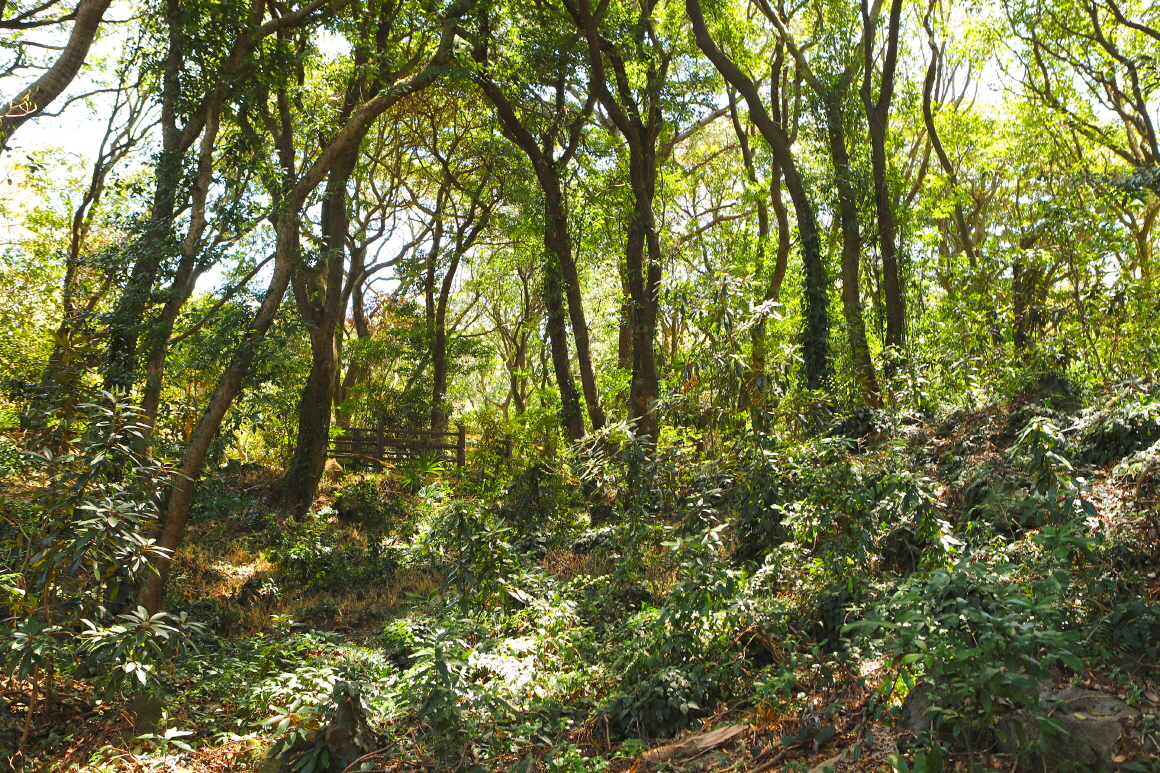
(461, 447)
(507, 447)
(379, 441)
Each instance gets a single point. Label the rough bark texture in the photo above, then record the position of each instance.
(35, 97)
(558, 342)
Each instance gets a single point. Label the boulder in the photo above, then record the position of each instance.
(1092, 722)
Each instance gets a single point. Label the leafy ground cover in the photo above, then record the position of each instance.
(900, 591)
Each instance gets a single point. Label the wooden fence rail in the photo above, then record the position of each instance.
(384, 445)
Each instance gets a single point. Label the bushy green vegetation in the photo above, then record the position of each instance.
(471, 385)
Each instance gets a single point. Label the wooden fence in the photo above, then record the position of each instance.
(387, 445)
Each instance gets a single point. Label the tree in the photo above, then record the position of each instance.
(40, 93)
(297, 187)
(546, 124)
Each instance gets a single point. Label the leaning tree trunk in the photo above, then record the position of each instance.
(35, 97)
(184, 482)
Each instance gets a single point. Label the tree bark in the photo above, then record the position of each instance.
(815, 335)
(640, 126)
(286, 253)
(318, 295)
(557, 236)
(878, 121)
(863, 364)
(35, 97)
(561, 362)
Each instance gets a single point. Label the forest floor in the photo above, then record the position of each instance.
(473, 640)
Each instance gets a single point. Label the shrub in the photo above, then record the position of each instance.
(10, 457)
(83, 550)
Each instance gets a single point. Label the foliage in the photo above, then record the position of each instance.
(76, 555)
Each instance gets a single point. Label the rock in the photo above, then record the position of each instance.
(348, 736)
(1092, 723)
(346, 733)
(254, 591)
(333, 471)
(147, 710)
(916, 715)
(832, 765)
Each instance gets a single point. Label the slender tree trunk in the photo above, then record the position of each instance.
(355, 372)
(851, 255)
(878, 121)
(558, 342)
(642, 262)
(153, 243)
(557, 237)
(35, 97)
(815, 336)
(439, 349)
(558, 241)
(184, 482)
(182, 285)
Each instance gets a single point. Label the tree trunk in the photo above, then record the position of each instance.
(184, 482)
(878, 121)
(558, 242)
(286, 254)
(851, 255)
(815, 336)
(318, 293)
(642, 263)
(557, 237)
(35, 97)
(561, 362)
(186, 275)
(439, 348)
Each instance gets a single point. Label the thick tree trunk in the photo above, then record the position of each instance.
(319, 296)
(864, 373)
(35, 97)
